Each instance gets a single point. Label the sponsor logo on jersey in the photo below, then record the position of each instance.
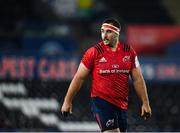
(109, 71)
(115, 66)
(102, 60)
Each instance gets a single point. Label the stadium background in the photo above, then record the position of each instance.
(42, 42)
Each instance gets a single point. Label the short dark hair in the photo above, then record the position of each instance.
(113, 21)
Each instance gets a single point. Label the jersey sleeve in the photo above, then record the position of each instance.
(88, 58)
(135, 61)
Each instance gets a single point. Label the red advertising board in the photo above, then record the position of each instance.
(37, 68)
(152, 39)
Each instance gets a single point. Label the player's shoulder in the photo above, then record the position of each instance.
(97, 48)
(127, 47)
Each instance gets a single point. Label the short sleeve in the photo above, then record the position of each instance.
(135, 61)
(88, 58)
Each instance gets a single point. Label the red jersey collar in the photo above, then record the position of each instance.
(109, 49)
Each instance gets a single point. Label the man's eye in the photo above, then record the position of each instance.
(109, 31)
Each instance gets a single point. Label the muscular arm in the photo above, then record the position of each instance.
(141, 90)
(77, 82)
(74, 87)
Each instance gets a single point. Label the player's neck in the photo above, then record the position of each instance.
(114, 45)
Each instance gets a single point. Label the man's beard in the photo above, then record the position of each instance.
(108, 42)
